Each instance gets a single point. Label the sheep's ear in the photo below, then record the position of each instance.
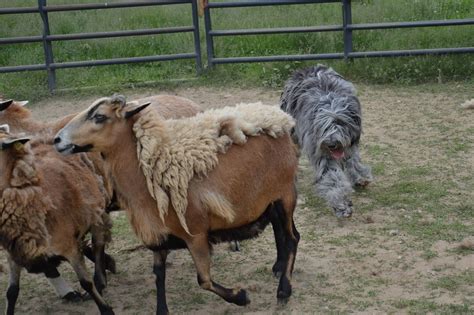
(5, 128)
(4, 104)
(22, 103)
(17, 143)
(118, 99)
(136, 110)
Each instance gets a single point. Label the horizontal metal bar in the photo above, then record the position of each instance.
(119, 61)
(22, 68)
(280, 30)
(395, 53)
(78, 36)
(98, 6)
(21, 40)
(260, 3)
(277, 58)
(373, 26)
(19, 10)
(90, 6)
(415, 52)
(140, 32)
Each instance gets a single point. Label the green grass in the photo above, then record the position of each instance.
(380, 70)
(454, 282)
(422, 306)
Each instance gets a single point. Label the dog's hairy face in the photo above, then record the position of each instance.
(336, 123)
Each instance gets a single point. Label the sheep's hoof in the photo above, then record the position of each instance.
(283, 300)
(110, 264)
(107, 312)
(73, 296)
(234, 246)
(283, 296)
(241, 298)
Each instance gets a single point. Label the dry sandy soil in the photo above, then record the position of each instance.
(407, 249)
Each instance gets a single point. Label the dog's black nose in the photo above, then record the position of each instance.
(57, 140)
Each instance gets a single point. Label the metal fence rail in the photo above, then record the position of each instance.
(47, 38)
(347, 27)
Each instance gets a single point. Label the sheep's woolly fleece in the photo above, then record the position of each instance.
(23, 208)
(173, 152)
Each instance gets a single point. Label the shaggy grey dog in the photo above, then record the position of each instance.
(328, 128)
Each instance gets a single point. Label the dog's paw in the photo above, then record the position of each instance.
(363, 182)
(344, 212)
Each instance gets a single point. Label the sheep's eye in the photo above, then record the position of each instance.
(100, 118)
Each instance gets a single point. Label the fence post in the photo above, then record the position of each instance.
(197, 43)
(209, 40)
(346, 20)
(48, 49)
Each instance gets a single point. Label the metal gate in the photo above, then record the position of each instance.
(346, 27)
(48, 39)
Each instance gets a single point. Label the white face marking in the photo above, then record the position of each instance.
(61, 286)
(22, 103)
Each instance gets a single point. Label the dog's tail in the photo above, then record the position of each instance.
(468, 104)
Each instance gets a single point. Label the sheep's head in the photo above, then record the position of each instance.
(8, 141)
(11, 149)
(98, 127)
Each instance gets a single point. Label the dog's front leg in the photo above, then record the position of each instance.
(334, 186)
(360, 174)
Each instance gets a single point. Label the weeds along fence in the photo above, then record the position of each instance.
(346, 27)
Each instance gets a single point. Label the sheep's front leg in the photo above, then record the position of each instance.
(159, 269)
(109, 261)
(100, 278)
(333, 185)
(200, 251)
(13, 286)
(77, 262)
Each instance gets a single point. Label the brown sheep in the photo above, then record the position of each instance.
(46, 212)
(19, 118)
(254, 181)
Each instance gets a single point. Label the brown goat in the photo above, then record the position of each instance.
(256, 178)
(46, 212)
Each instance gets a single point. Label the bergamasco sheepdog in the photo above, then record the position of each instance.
(328, 129)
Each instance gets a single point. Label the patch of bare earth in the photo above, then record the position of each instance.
(367, 264)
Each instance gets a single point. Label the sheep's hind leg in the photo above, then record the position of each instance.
(100, 278)
(85, 280)
(200, 251)
(159, 269)
(13, 286)
(62, 288)
(280, 241)
(286, 209)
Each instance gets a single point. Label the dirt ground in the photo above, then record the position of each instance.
(407, 249)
